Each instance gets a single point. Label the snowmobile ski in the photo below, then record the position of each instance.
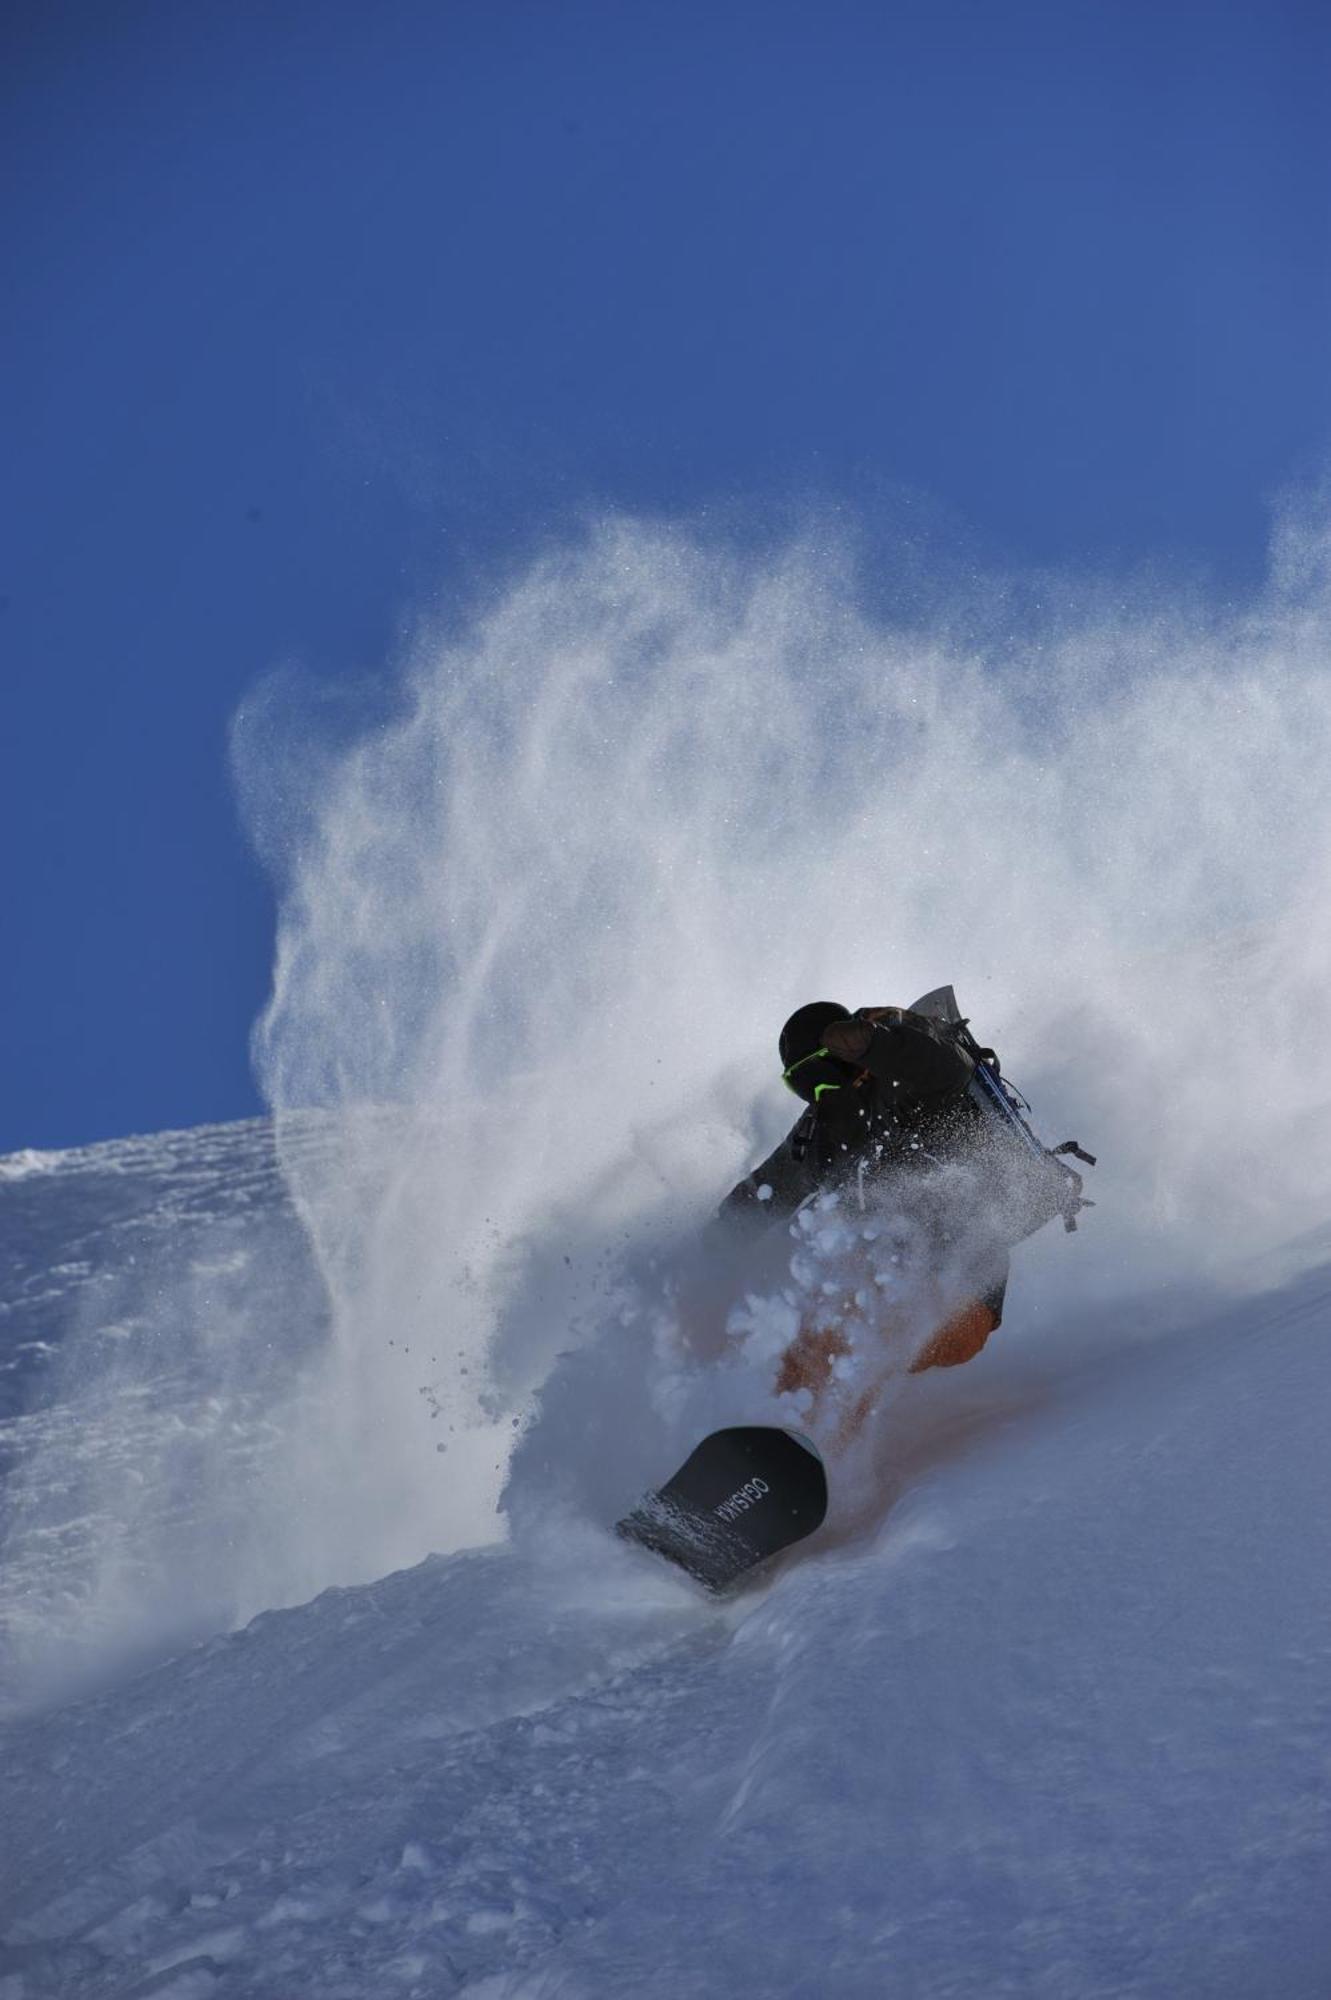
(741, 1497)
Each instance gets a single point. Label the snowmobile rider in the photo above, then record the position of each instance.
(887, 1093)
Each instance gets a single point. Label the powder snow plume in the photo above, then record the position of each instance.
(545, 894)
(541, 918)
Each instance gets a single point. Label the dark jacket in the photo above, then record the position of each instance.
(894, 1101)
(897, 1092)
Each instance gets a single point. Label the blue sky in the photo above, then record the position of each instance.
(315, 316)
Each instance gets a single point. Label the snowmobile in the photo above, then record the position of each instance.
(747, 1493)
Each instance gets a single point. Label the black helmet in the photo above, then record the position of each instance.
(801, 1038)
(803, 1032)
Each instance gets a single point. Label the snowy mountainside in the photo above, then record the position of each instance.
(156, 1301)
(1056, 1721)
(322, 1672)
(80, 1218)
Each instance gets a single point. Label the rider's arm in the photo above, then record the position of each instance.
(903, 1052)
(776, 1188)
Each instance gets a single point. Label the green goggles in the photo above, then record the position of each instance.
(788, 1075)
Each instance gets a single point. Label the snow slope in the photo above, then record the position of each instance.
(1058, 1722)
(156, 1302)
(321, 1672)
